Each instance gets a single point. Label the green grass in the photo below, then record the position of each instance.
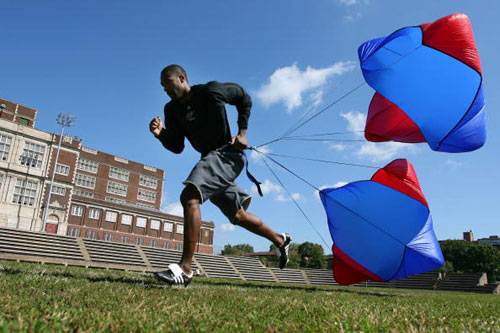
(44, 298)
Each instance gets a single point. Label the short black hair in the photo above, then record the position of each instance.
(174, 68)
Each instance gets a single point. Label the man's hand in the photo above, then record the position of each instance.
(156, 126)
(240, 141)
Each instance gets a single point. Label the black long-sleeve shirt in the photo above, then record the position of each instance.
(203, 119)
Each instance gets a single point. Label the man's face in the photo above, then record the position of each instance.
(173, 84)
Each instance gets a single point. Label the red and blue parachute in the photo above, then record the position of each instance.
(428, 83)
(381, 228)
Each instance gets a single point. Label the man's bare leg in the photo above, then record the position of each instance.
(192, 223)
(255, 225)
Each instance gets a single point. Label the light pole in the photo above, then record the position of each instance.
(64, 120)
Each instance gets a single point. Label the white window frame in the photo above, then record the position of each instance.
(119, 173)
(117, 188)
(111, 216)
(25, 191)
(179, 229)
(87, 165)
(94, 213)
(155, 224)
(58, 190)
(82, 180)
(148, 181)
(83, 193)
(146, 195)
(5, 145)
(60, 167)
(168, 226)
(32, 155)
(76, 210)
(141, 221)
(108, 237)
(126, 222)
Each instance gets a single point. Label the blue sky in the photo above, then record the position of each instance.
(100, 60)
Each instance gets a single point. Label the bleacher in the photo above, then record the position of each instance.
(47, 248)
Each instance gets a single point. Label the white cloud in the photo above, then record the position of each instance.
(268, 187)
(256, 157)
(174, 208)
(284, 197)
(348, 2)
(381, 151)
(227, 227)
(288, 85)
(337, 184)
(337, 146)
(355, 121)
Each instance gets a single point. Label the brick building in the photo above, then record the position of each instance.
(94, 195)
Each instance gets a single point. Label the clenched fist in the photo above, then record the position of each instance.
(156, 126)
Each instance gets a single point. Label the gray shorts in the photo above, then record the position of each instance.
(214, 177)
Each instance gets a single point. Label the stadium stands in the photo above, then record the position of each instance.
(47, 248)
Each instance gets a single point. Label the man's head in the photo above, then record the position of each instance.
(175, 82)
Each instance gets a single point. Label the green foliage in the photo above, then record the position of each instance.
(311, 255)
(237, 250)
(44, 298)
(472, 257)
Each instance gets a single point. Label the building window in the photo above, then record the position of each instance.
(116, 200)
(179, 228)
(118, 173)
(139, 241)
(126, 219)
(155, 224)
(91, 234)
(76, 210)
(141, 222)
(125, 239)
(1, 180)
(73, 232)
(84, 193)
(62, 169)
(148, 181)
(143, 205)
(178, 246)
(85, 181)
(108, 237)
(5, 142)
(153, 243)
(94, 213)
(25, 192)
(117, 188)
(23, 121)
(146, 195)
(87, 165)
(111, 216)
(168, 227)
(32, 155)
(59, 190)
(166, 245)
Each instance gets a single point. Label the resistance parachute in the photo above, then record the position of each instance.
(381, 228)
(428, 84)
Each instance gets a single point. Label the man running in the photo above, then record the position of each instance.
(198, 113)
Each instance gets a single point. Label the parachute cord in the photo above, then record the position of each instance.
(291, 197)
(325, 161)
(293, 129)
(322, 140)
(321, 134)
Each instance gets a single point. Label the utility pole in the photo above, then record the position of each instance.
(64, 120)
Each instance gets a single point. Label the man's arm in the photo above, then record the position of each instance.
(234, 94)
(170, 136)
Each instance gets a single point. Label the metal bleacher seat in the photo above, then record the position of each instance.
(161, 258)
(40, 247)
(251, 269)
(289, 275)
(113, 253)
(320, 276)
(217, 266)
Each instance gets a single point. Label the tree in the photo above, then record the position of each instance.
(462, 256)
(311, 255)
(237, 250)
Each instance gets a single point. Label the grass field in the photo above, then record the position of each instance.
(44, 298)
